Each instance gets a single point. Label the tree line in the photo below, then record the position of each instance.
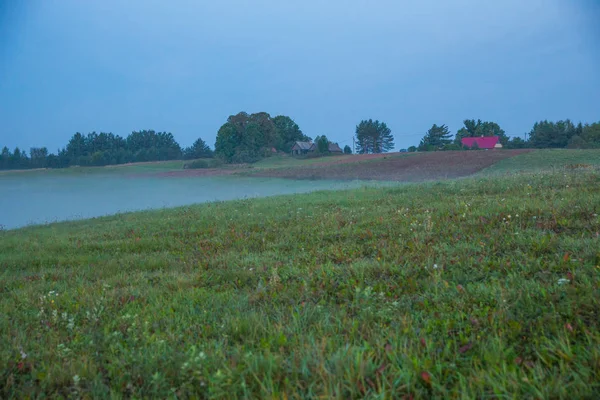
(246, 138)
(544, 134)
(100, 149)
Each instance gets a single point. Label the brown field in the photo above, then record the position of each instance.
(395, 167)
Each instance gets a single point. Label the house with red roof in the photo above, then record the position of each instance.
(483, 142)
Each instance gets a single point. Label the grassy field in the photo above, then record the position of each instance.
(546, 160)
(481, 287)
(134, 168)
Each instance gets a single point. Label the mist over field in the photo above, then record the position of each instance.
(38, 199)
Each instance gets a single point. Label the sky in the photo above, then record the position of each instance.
(184, 66)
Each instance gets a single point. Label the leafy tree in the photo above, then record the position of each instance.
(199, 149)
(347, 149)
(227, 142)
(480, 128)
(412, 149)
(265, 133)
(287, 132)
(249, 136)
(373, 137)
(436, 138)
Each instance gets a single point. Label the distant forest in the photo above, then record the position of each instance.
(247, 138)
(544, 134)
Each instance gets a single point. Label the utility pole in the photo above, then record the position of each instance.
(353, 146)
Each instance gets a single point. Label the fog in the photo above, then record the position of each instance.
(38, 199)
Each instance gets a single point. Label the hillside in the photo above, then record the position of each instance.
(404, 167)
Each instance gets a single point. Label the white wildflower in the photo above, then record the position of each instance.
(563, 281)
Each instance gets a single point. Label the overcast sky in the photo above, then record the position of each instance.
(185, 66)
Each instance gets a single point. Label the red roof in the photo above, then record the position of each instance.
(487, 142)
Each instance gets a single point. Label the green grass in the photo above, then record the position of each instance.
(482, 287)
(135, 168)
(543, 160)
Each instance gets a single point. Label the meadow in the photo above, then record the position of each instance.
(482, 287)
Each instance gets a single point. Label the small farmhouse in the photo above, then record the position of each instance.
(483, 142)
(333, 148)
(301, 148)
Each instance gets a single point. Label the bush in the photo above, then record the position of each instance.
(245, 157)
(203, 163)
(451, 146)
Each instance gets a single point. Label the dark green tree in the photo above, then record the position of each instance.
(39, 157)
(5, 158)
(322, 144)
(577, 142)
(547, 134)
(148, 145)
(76, 148)
(246, 137)
(199, 149)
(517, 143)
(373, 137)
(591, 134)
(228, 141)
(19, 159)
(347, 149)
(287, 132)
(435, 138)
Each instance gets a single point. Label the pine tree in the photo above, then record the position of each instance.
(373, 137)
(436, 138)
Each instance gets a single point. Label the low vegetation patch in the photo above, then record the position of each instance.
(203, 163)
(484, 287)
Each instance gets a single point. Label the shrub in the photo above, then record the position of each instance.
(245, 157)
(203, 163)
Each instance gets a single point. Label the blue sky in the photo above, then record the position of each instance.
(185, 66)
